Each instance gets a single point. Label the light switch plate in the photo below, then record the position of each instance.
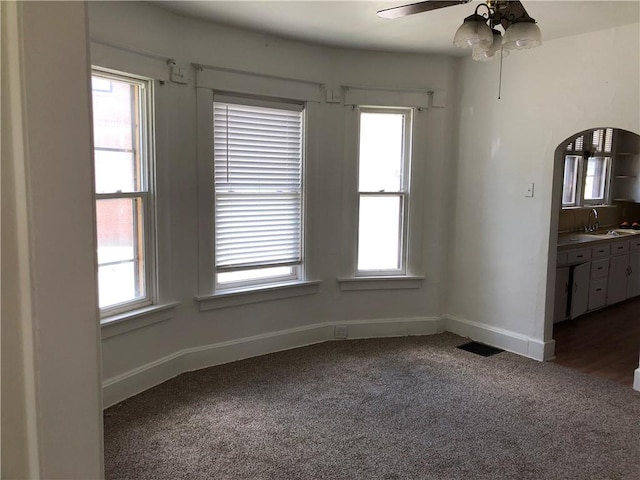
(178, 74)
(529, 190)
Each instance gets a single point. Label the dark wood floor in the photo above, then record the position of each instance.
(605, 343)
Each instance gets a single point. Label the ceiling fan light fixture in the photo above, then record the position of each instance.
(474, 32)
(522, 35)
(484, 55)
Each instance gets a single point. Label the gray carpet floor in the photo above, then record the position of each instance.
(397, 408)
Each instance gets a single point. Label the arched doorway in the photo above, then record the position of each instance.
(596, 291)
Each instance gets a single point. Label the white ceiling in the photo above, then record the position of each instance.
(355, 23)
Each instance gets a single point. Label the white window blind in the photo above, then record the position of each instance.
(258, 186)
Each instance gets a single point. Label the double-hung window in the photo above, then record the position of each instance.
(383, 189)
(123, 152)
(587, 169)
(258, 179)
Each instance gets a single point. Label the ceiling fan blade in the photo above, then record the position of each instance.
(404, 10)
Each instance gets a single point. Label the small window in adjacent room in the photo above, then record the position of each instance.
(383, 185)
(258, 177)
(123, 153)
(587, 171)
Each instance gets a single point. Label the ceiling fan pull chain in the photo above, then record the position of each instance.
(500, 79)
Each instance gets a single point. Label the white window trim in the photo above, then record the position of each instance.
(296, 268)
(112, 59)
(606, 200)
(147, 193)
(350, 196)
(258, 294)
(380, 283)
(209, 297)
(135, 319)
(404, 193)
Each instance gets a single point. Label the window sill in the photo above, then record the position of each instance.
(142, 317)
(588, 207)
(243, 296)
(380, 283)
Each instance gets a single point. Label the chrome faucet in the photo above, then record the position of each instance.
(592, 227)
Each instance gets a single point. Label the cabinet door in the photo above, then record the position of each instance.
(580, 289)
(617, 284)
(562, 294)
(633, 281)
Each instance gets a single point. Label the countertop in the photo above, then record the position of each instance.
(567, 241)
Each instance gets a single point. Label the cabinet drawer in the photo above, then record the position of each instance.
(634, 245)
(600, 268)
(601, 251)
(561, 259)
(579, 256)
(620, 247)
(597, 293)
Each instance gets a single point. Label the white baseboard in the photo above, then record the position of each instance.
(501, 338)
(120, 387)
(399, 327)
(636, 379)
(240, 349)
(128, 384)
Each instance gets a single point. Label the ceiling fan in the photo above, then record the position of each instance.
(479, 31)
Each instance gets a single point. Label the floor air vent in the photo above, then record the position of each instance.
(480, 349)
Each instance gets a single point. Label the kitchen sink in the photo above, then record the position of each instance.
(579, 237)
(616, 232)
(573, 238)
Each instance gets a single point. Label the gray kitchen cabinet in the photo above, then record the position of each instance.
(618, 278)
(580, 289)
(562, 294)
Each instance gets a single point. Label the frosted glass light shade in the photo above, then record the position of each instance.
(484, 55)
(473, 32)
(522, 35)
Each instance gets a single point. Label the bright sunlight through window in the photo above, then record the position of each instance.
(383, 190)
(121, 152)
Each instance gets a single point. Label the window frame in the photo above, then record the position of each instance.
(297, 270)
(403, 194)
(146, 193)
(584, 154)
(606, 197)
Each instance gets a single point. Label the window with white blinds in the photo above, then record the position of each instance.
(587, 169)
(258, 154)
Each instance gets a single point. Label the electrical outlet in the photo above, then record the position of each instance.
(341, 332)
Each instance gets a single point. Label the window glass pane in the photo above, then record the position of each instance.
(381, 152)
(114, 171)
(116, 133)
(257, 274)
(120, 242)
(570, 180)
(595, 179)
(379, 233)
(117, 284)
